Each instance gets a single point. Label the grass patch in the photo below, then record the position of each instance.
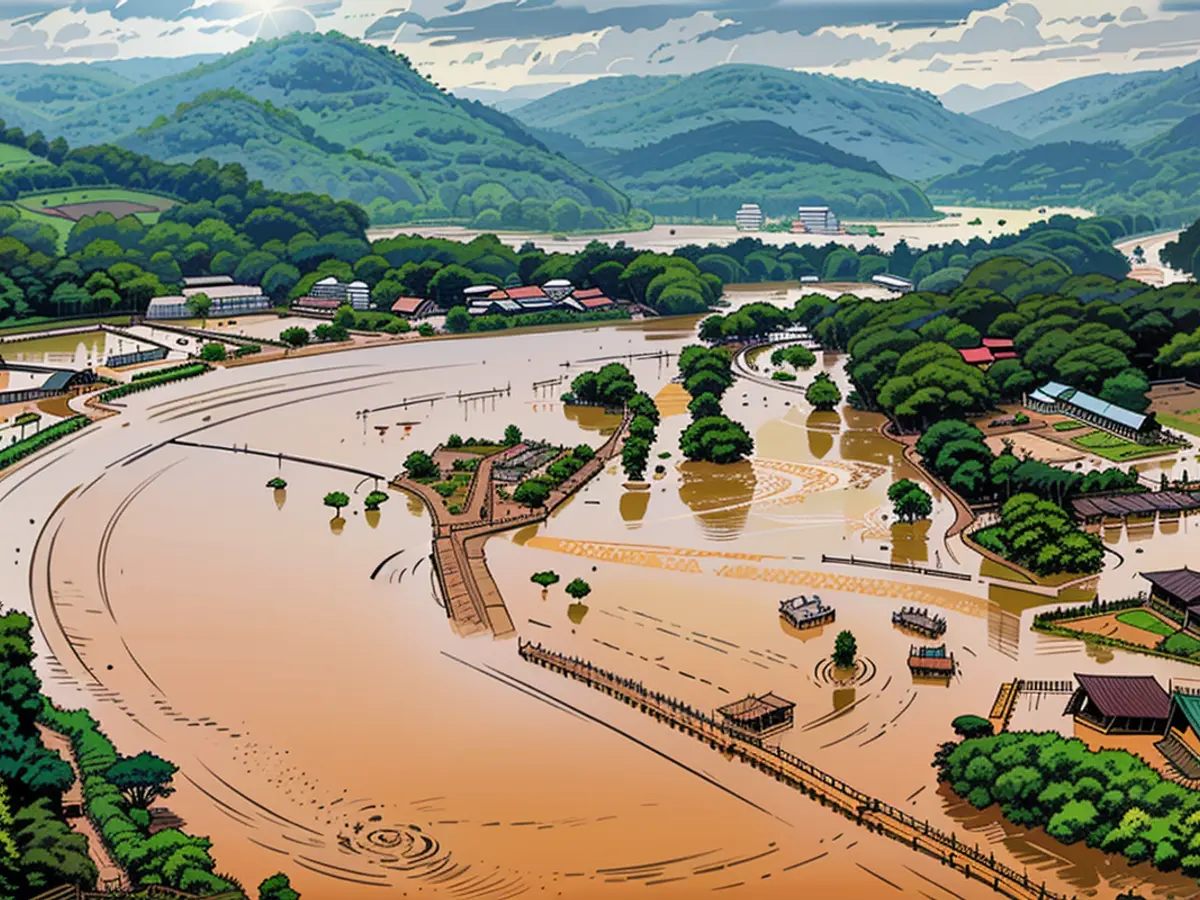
(1116, 449)
(782, 376)
(1067, 426)
(1182, 644)
(34, 200)
(1139, 618)
(13, 158)
(45, 323)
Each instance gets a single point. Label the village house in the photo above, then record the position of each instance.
(1120, 704)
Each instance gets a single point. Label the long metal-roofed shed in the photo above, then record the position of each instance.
(1181, 744)
(759, 716)
(1120, 704)
(1147, 503)
(1054, 397)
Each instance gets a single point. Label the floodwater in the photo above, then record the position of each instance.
(87, 349)
(666, 238)
(327, 720)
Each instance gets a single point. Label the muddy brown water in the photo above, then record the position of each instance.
(328, 722)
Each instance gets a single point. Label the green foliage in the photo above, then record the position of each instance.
(969, 726)
(716, 439)
(294, 336)
(277, 483)
(822, 393)
(782, 376)
(213, 352)
(376, 499)
(154, 379)
(705, 371)
(1039, 535)
(277, 887)
(577, 589)
(544, 579)
(446, 489)
(337, 501)
(420, 465)
(142, 778)
(910, 501)
(612, 386)
(533, 492)
(796, 356)
(845, 649)
(1181, 253)
(44, 438)
(512, 436)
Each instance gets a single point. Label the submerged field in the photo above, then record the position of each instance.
(376, 746)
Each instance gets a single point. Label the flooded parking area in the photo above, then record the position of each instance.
(325, 716)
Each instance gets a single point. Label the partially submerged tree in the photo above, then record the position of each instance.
(277, 887)
(544, 579)
(375, 499)
(845, 650)
(910, 501)
(421, 465)
(277, 483)
(972, 727)
(823, 394)
(337, 500)
(578, 589)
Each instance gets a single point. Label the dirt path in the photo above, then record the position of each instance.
(111, 874)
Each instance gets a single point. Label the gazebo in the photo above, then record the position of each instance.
(1120, 704)
(759, 716)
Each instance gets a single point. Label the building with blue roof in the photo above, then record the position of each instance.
(1055, 398)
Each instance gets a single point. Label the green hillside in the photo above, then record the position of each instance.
(371, 99)
(1131, 109)
(907, 131)
(275, 146)
(1161, 178)
(51, 91)
(713, 170)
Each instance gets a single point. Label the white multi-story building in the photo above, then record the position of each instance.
(816, 220)
(227, 300)
(749, 217)
(357, 294)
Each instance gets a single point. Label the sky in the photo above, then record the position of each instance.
(529, 47)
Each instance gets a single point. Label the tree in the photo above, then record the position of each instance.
(200, 305)
(1127, 389)
(634, 455)
(458, 320)
(277, 887)
(845, 650)
(213, 352)
(578, 589)
(544, 579)
(142, 778)
(910, 501)
(972, 727)
(277, 483)
(512, 436)
(337, 501)
(716, 439)
(375, 499)
(533, 492)
(420, 465)
(823, 394)
(294, 336)
(704, 406)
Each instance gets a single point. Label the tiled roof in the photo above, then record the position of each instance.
(408, 304)
(998, 343)
(977, 355)
(525, 293)
(1182, 583)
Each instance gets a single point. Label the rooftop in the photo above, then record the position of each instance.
(1189, 705)
(223, 291)
(752, 707)
(998, 343)
(1182, 583)
(1120, 505)
(1082, 400)
(318, 303)
(1126, 696)
(408, 304)
(977, 355)
(528, 292)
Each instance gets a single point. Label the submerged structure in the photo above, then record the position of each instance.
(805, 612)
(931, 662)
(1120, 704)
(920, 621)
(758, 717)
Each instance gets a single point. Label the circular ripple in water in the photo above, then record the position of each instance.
(864, 671)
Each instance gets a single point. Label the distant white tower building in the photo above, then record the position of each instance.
(749, 217)
(816, 220)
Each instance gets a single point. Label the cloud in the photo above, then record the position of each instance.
(513, 55)
(1133, 14)
(986, 33)
(76, 31)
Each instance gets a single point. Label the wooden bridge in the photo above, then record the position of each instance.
(870, 812)
(894, 567)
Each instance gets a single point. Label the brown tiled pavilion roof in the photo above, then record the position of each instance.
(1182, 583)
(1127, 696)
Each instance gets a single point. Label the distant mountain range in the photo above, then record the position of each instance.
(1130, 109)
(905, 130)
(712, 170)
(1160, 178)
(966, 98)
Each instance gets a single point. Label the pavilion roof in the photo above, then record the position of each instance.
(753, 707)
(1127, 696)
(1182, 583)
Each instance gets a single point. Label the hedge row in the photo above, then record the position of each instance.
(176, 374)
(156, 373)
(43, 438)
(168, 857)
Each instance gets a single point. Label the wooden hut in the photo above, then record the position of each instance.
(803, 612)
(931, 662)
(758, 716)
(920, 621)
(1120, 704)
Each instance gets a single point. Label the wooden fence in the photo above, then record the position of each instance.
(894, 567)
(154, 892)
(864, 809)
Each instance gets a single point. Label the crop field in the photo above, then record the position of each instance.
(12, 158)
(62, 209)
(1116, 449)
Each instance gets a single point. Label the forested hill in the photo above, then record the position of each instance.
(1131, 108)
(371, 99)
(712, 170)
(907, 131)
(1161, 178)
(274, 146)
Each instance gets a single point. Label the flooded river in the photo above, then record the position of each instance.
(328, 722)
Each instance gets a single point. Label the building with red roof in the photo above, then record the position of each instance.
(977, 356)
(413, 307)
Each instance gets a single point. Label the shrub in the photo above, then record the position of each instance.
(154, 380)
(18, 451)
